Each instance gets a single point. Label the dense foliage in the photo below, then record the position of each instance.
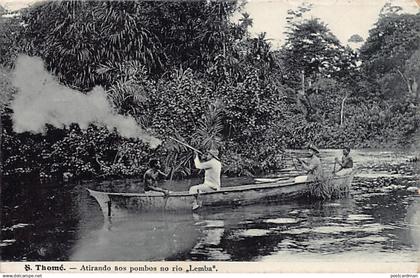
(186, 69)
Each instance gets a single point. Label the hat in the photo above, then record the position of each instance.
(214, 153)
(313, 147)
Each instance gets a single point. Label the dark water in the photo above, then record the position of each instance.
(379, 221)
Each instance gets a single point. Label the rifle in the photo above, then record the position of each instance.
(186, 145)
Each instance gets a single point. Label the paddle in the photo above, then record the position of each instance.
(266, 180)
(289, 155)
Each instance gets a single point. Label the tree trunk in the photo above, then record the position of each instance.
(342, 110)
(303, 82)
(415, 89)
(407, 82)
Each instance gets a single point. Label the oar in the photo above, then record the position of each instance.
(263, 180)
(186, 145)
(289, 155)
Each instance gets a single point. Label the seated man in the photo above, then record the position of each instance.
(346, 163)
(313, 167)
(213, 168)
(151, 176)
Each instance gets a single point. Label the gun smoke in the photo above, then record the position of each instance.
(41, 100)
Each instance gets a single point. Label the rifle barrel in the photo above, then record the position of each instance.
(186, 145)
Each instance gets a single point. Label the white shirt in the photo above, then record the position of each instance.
(212, 168)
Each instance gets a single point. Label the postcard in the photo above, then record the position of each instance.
(210, 136)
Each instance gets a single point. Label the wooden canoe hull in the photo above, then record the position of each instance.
(113, 204)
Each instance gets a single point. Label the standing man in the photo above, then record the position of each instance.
(151, 176)
(313, 167)
(346, 163)
(213, 168)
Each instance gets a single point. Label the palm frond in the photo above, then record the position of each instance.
(209, 127)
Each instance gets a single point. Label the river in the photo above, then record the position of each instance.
(378, 221)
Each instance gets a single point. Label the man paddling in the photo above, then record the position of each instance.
(151, 177)
(346, 163)
(213, 168)
(313, 167)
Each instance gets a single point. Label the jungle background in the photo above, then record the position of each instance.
(188, 70)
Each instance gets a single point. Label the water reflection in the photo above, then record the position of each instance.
(40, 222)
(412, 221)
(363, 227)
(152, 236)
(210, 239)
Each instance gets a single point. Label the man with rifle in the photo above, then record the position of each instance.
(212, 167)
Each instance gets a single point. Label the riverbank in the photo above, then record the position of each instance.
(328, 156)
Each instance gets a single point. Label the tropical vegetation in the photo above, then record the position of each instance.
(189, 70)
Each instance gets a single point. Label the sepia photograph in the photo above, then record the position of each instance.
(267, 131)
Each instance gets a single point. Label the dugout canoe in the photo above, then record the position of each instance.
(115, 204)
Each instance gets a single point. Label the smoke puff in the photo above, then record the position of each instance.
(41, 100)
